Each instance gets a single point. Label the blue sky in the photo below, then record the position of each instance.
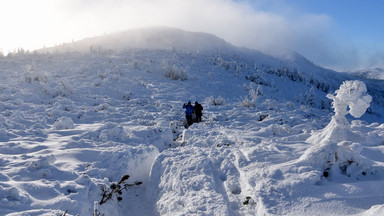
(337, 34)
(362, 21)
(354, 28)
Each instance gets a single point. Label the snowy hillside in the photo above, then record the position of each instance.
(373, 73)
(75, 119)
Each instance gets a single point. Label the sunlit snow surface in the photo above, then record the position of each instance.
(73, 122)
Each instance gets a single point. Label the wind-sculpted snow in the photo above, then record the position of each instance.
(72, 124)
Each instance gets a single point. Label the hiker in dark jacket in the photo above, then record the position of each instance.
(188, 112)
(198, 111)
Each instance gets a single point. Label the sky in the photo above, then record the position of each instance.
(337, 34)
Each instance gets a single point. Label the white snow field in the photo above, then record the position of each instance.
(75, 119)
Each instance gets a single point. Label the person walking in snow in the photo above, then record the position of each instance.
(198, 111)
(188, 112)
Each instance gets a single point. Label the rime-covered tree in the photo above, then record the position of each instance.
(334, 148)
(350, 98)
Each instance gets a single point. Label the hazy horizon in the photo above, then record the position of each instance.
(335, 35)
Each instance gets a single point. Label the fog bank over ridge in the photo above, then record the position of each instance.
(158, 37)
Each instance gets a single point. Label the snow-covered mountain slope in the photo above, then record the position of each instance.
(73, 123)
(373, 73)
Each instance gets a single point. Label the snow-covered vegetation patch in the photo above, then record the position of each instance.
(215, 101)
(174, 72)
(63, 123)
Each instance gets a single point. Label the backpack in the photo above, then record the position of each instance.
(188, 110)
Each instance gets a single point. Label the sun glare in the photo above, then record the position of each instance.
(34, 24)
(24, 21)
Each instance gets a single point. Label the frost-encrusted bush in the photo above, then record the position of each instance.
(309, 98)
(258, 76)
(292, 74)
(215, 101)
(52, 86)
(42, 167)
(325, 87)
(175, 72)
(12, 196)
(110, 74)
(349, 160)
(42, 162)
(247, 103)
(127, 95)
(112, 132)
(250, 100)
(221, 62)
(103, 106)
(33, 75)
(55, 89)
(63, 123)
(269, 104)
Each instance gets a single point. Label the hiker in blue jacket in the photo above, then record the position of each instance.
(188, 112)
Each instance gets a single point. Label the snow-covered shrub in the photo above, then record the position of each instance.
(258, 77)
(49, 85)
(32, 75)
(148, 65)
(269, 104)
(110, 74)
(293, 75)
(249, 201)
(215, 101)
(309, 98)
(127, 95)
(61, 88)
(175, 72)
(136, 64)
(275, 130)
(325, 87)
(247, 103)
(262, 116)
(103, 106)
(42, 162)
(259, 90)
(12, 196)
(63, 123)
(114, 73)
(349, 160)
(251, 100)
(112, 132)
(42, 168)
(97, 82)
